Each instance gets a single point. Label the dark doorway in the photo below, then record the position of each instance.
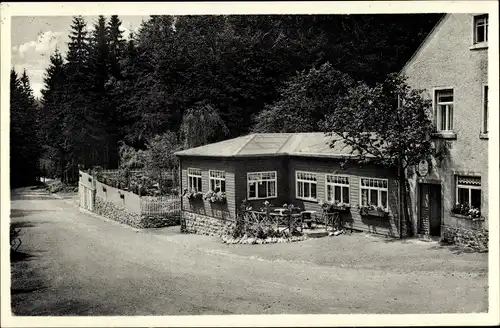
(430, 210)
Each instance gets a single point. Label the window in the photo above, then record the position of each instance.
(261, 185)
(469, 191)
(444, 110)
(194, 179)
(485, 109)
(217, 180)
(374, 192)
(480, 28)
(306, 183)
(337, 189)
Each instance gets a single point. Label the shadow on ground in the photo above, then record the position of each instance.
(16, 256)
(457, 249)
(18, 213)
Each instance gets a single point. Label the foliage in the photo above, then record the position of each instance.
(192, 194)
(216, 196)
(159, 155)
(201, 125)
(304, 101)
(466, 210)
(332, 206)
(24, 148)
(388, 124)
(106, 89)
(130, 157)
(371, 209)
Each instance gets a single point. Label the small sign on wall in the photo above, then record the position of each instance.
(423, 168)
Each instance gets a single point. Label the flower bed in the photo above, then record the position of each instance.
(253, 240)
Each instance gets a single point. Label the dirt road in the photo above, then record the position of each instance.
(77, 264)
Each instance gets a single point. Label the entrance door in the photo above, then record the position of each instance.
(430, 210)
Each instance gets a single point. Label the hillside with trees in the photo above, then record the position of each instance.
(202, 79)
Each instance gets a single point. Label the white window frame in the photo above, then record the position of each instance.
(192, 174)
(485, 110)
(217, 179)
(262, 180)
(379, 192)
(334, 184)
(297, 181)
(467, 186)
(483, 18)
(437, 111)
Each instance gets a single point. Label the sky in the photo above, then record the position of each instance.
(34, 39)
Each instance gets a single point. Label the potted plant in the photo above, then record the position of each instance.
(466, 211)
(216, 196)
(335, 206)
(192, 194)
(371, 210)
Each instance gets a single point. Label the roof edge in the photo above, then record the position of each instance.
(246, 143)
(425, 42)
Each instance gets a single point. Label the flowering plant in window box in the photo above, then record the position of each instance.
(465, 210)
(192, 194)
(216, 196)
(371, 210)
(335, 206)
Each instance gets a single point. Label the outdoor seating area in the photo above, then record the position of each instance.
(296, 219)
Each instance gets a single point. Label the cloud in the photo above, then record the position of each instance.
(44, 45)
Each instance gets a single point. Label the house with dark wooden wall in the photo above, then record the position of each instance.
(293, 168)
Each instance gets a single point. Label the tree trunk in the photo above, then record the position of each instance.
(404, 217)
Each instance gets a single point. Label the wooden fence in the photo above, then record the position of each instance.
(159, 205)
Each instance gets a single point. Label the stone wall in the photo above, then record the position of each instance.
(120, 214)
(203, 224)
(158, 221)
(116, 212)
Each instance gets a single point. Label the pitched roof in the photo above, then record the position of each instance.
(313, 144)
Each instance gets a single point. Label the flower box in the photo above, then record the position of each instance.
(218, 197)
(466, 217)
(335, 207)
(373, 211)
(466, 212)
(193, 195)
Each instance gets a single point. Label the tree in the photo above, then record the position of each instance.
(159, 156)
(304, 101)
(83, 131)
(24, 147)
(202, 124)
(388, 124)
(52, 111)
(117, 45)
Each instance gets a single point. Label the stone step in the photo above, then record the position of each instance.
(315, 234)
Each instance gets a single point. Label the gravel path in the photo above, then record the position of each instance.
(77, 264)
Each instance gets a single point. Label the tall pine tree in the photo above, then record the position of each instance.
(24, 146)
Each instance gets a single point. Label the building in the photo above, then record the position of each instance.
(293, 168)
(452, 66)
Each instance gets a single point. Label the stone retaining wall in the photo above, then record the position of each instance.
(477, 239)
(122, 215)
(203, 224)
